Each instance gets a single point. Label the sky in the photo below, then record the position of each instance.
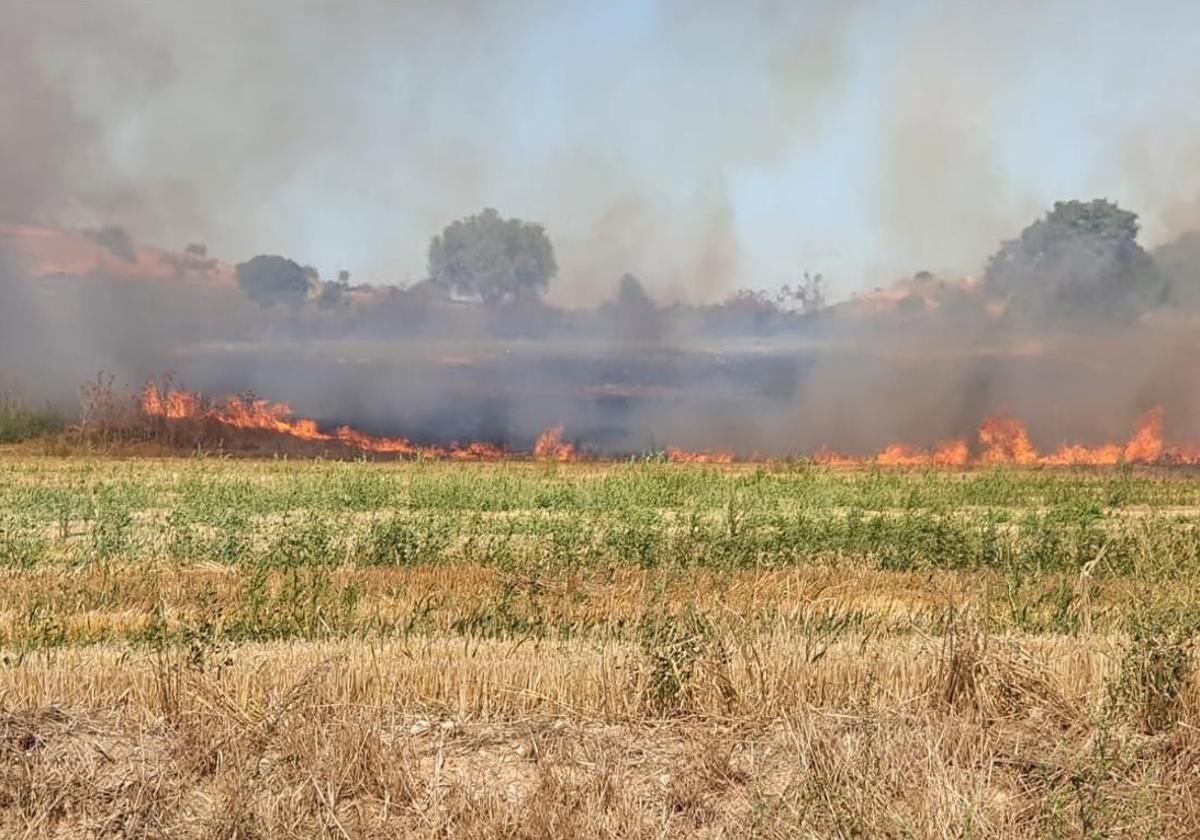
(702, 146)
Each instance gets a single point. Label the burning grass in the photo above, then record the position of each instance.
(205, 647)
(165, 420)
(1003, 440)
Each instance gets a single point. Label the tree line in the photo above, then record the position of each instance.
(1081, 261)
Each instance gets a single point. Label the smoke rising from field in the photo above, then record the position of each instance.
(344, 135)
(161, 118)
(699, 146)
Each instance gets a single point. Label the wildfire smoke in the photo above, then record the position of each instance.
(1002, 439)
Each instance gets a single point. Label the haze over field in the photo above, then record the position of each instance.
(700, 146)
(601, 419)
(659, 169)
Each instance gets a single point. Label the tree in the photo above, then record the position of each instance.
(115, 240)
(634, 312)
(631, 294)
(334, 295)
(1081, 262)
(270, 279)
(746, 310)
(497, 260)
(807, 296)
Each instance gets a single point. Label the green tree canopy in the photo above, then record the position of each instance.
(1081, 262)
(270, 279)
(498, 260)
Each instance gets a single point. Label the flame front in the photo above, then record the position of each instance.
(951, 453)
(277, 418)
(1002, 439)
(551, 446)
(681, 456)
(1146, 445)
(1006, 440)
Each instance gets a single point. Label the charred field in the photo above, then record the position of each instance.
(227, 647)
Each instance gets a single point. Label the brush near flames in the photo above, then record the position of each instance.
(1002, 440)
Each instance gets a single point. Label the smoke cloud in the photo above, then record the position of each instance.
(703, 147)
(364, 128)
(913, 136)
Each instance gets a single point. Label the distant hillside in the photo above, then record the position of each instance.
(52, 252)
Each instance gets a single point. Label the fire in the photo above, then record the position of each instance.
(1146, 445)
(278, 419)
(1073, 455)
(902, 455)
(174, 405)
(551, 446)
(954, 453)
(831, 458)
(1002, 439)
(477, 451)
(682, 456)
(1006, 441)
(951, 453)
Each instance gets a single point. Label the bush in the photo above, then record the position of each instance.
(19, 421)
(1156, 672)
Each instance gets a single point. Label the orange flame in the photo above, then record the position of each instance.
(277, 418)
(1006, 441)
(551, 446)
(831, 458)
(682, 456)
(174, 405)
(950, 453)
(1002, 440)
(477, 451)
(1075, 456)
(1146, 445)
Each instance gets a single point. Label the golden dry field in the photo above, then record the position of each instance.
(231, 648)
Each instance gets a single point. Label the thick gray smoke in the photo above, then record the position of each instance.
(702, 146)
(267, 126)
(702, 153)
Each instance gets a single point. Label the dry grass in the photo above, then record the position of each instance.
(91, 604)
(975, 738)
(611, 652)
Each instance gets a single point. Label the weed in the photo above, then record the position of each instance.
(20, 421)
(672, 648)
(1156, 672)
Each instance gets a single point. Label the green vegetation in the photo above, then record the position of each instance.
(307, 544)
(269, 279)
(19, 421)
(1082, 263)
(1006, 649)
(499, 260)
